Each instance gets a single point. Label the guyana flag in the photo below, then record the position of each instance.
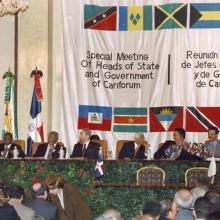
(10, 118)
(130, 120)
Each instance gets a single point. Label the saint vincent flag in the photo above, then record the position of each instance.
(205, 15)
(169, 16)
(95, 117)
(165, 118)
(100, 18)
(200, 119)
(130, 120)
(137, 18)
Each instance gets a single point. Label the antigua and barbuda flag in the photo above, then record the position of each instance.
(100, 17)
(35, 126)
(164, 119)
(169, 16)
(200, 119)
(130, 119)
(205, 15)
(99, 168)
(95, 117)
(136, 18)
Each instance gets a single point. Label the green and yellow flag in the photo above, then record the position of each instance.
(10, 118)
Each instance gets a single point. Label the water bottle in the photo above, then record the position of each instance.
(62, 153)
(15, 153)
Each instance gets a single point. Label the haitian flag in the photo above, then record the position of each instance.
(165, 118)
(100, 17)
(200, 119)
(130, 120)
(95, 117)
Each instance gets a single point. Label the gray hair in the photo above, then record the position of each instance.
(197, 192)
(87, 132)
(183, 200)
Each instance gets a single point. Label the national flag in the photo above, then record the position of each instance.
(100, 17)
(200, 119)
(137, 18)
(99, 168)
(130, 119)
(169, 16)
(205, 15)
(165, 118)
(10, 118)
(35, 126)
(95, 117)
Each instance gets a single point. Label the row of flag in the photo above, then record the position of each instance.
(148, 17)
(35, 126)
(156, 119)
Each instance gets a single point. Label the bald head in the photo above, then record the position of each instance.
(184, 198)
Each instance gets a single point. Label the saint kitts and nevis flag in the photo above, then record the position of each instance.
(35, 126)
(10, 118)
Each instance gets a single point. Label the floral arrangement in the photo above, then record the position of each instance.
(198, 149)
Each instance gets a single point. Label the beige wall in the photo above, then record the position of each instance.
(39, 44)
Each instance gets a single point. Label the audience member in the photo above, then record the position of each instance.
(152, 209)
(202, 208)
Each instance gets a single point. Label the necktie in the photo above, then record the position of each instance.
(83, 150)
(49, 156)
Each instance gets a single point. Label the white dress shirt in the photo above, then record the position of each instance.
(60, 196)
(47, 151)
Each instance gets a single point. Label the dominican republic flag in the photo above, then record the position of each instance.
(95, 117)
(35, 126)
(99, 168)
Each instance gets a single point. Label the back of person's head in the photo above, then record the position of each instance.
(216, 205)
(144, 217)
(95, 137)
(214, 216)
(202, 184)
(184, 199)
(16, 192)
(39, 191)
(165, 208)
(110, 214)
(212, 195)
(152, 209)
(202, 208)
(55, 182)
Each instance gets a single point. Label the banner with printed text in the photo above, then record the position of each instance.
(140, 66)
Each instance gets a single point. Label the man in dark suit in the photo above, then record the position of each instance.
(174, 150)
(50, 150)
(86, 148)
(7, 147)
(40, 204)
(134, 149)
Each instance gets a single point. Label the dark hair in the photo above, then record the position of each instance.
(202, 207)
(95, 137)
(39, 192)
(181, 132)
(165, 208)
(8, 134)
(212, 195)
(214, 216)
(216, 205)
(16, 192)
(214, 129)
(152, 208)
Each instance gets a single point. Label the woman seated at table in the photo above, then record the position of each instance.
(177, 149)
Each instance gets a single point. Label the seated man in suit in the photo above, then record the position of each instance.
(85, 147)
(134, 149)
(213, 144)
(176, 150)
(7, 147)
(50, 150)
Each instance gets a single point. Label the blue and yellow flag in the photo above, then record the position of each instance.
(135, 18)
(205, 15)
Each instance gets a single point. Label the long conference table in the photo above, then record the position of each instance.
(119, 188)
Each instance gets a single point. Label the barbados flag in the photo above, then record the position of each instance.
(95, 117)
(136, 18)
(130, 120)
(205, 15)
(100, 17)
